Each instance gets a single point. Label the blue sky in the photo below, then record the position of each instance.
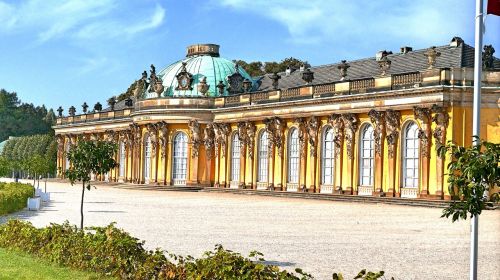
(58, 52)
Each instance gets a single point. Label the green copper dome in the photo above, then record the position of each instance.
(202, 61)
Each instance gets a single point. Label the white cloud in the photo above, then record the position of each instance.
(312, 21)
(78, 19)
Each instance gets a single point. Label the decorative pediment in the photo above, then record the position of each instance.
(235, 81)
(184, 79)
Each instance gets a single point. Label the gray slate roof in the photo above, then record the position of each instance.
(461, 56)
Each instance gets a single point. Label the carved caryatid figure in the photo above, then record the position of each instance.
(351, 123)
(60, 145)
(251, 131)
(378, 120)
(441, 119)
(209, 139)
(221, 131)
(194, 129)
(275, 127)
(162, 137)
(392, 120)
(338, 132)
(424, 116)
(152, 130)
(343, 66)
(301, 126)
(432, 54)
(109, 135)
(312, 126)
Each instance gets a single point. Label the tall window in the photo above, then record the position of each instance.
(328, 158)
(293, 157)
(122, 159)
(263, 157)
(235, 158)
(147, 158)
(367, 156)
(410, 156)
(66, 156)
(180, 156)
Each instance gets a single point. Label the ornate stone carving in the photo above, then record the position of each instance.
(351, 123)
(392, 120)
(203, 86)
(301, 126)
(139, 87)
(312, 126)
(275, 127)
(250, 139)
(60, 111)
(152, 130)
(488, 57)
(194, 129)
(338, 132)
(72, 111)
(60, 145)
(109, 135)
(343, 66)
(221, 130)
(98, 107)
(441, 119)
(85, 107)
(220, 88)
(424, 116)
(275, 78)
(235, 81)
(162, 137)
(208, 140)
(431, 55)
(308, 76)
(155, 82)
(247, 85)
(184, 79)
(384, 64)
(378, 120)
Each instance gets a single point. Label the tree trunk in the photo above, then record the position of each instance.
(81, 206)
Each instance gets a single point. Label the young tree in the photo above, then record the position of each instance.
(89, 157)
(474, 173)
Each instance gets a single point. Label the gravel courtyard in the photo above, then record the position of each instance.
(319, 236)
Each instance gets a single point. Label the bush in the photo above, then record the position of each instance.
(13, 196)
(111, 251)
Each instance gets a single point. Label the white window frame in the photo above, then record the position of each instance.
(293, 156)
(263, 158)
(328, 157)
(147, 158)
(122, 159)
(235, 158)
(179, 158)
(367, 156)
(411, 156)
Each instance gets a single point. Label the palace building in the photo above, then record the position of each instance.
(364, 127)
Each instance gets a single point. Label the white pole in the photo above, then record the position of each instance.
(476, 124)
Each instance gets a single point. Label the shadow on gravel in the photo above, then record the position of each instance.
(99, 202)
(26, 215)
(277, 263)
(106, 211)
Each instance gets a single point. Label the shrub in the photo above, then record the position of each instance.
(13, 196)
(111, 251)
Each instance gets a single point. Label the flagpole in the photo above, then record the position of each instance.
(476, 124)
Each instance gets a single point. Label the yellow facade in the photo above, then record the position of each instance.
(437, 101)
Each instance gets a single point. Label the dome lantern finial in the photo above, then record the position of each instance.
(203, 49)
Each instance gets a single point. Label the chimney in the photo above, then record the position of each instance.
(456, 42)
(380, 54)
(302, 68)
(288, 71)
(406, 49)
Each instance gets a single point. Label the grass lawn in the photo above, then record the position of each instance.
(17, 266)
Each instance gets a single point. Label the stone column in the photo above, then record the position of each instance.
(195, 137)
(441, 119)
(312, 127)
(338, 131)
(300, 123)
(378, 120)
(424, 134)
(351, 123)
(392, 121)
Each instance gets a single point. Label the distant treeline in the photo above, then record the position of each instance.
(20, 119)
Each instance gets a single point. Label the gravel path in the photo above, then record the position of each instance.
(319, 236)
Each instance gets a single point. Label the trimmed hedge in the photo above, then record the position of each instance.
(13, 196)
(111, 251)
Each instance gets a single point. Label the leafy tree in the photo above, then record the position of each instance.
(258, 68)
(4, 166)
(473, 172)
(89, 157)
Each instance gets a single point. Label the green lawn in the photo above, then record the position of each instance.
(18, 266)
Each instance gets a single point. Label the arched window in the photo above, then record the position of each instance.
(147, 159)
(263, 160)
(367, 156)
(122, 159)
(328, 157)
(180, 159)
(410, 156)
(293, 157)
(235, 159)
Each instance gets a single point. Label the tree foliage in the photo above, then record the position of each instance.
(19, 119)
(34, 155)
(89, 157)
(474, 173)
(258, 68)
